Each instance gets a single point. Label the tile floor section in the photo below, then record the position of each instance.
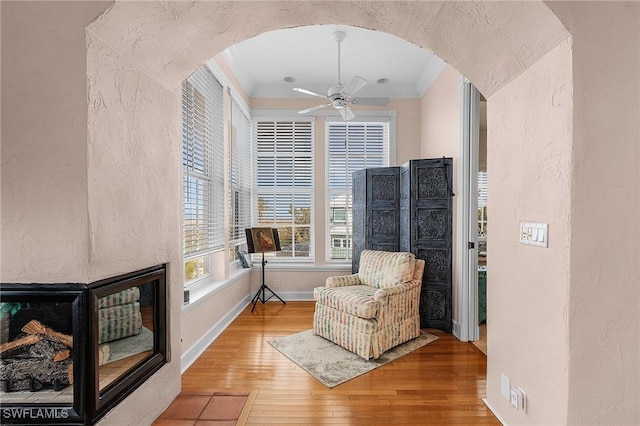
(202, 409)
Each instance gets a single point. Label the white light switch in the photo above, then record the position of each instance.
(534, 234)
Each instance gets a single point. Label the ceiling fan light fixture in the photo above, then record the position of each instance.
(340, 96)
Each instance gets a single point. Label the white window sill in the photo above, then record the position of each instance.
(201, 291)
(301, 267)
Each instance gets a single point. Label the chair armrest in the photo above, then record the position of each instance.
(342, 281)
(398, 288)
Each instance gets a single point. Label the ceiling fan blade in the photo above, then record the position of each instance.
(304, 111)
(310, 92)
(355, 84)
(370, 101)
(346, 113)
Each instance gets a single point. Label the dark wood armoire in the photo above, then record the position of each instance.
(409, 208)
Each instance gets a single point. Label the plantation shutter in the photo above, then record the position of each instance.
(202, 164)
(352, 146)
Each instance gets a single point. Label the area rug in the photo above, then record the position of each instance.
(331, 364)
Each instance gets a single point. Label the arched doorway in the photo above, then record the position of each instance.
(147, 49)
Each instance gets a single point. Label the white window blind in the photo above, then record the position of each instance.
(203, 167)
(284, 183)
(240, 182)
(482, 205)
(352, 146)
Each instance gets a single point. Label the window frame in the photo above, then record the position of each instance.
(388, 158)
(237, 183)
(275, 190)
(211, 120)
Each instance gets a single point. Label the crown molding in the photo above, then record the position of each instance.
(231, 57)
(430, 74)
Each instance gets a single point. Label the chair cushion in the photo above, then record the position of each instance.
(354, 299)
(381, 269)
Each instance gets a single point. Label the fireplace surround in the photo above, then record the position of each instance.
(71, 352)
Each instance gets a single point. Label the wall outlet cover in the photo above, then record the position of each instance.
(505, 386)
(523, 398)
(514, 399)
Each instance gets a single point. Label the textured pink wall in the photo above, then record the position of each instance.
(529, 124)
(604, 314)
(44, 141)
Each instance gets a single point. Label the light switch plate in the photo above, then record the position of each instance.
(534, 234)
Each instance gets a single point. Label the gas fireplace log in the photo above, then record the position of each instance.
(19, 343)
(36, 327)
(48, 348)
(45, 347)
(61, 355)
(21, 373)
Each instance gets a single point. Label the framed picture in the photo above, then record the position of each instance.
(262, 240)
(244, 260)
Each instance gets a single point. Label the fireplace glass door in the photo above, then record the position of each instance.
(125, 330)
(128, 337)
(71, 352)
(40, 345)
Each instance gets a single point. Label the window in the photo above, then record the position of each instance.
(202, 171)
(482, 211)
(351, 146)
(284, 183)
(239, 179)
(338, 215)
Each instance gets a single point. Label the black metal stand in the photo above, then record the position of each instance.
(260, 295)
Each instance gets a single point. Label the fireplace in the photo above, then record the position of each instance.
(71, 352)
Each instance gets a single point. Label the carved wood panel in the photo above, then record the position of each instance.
(409, 208)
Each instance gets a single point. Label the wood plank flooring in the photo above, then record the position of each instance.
(442, 383)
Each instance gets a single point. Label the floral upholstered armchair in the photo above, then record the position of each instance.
(374, 310)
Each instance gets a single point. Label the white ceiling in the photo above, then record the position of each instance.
(310, 55)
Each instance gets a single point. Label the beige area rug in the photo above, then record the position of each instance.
(333, 365)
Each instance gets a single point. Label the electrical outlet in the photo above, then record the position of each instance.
(514, 399)
(519, 398)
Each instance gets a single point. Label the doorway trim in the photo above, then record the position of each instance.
(467, 239)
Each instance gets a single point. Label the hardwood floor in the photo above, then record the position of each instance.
(481, 343)
(441, 383)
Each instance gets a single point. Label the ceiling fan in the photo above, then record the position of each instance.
(340, 96)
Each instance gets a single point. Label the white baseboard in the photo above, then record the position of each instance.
(495, 413)
(196, 350)
(298, 296)
(190, 356)
(457, 331)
